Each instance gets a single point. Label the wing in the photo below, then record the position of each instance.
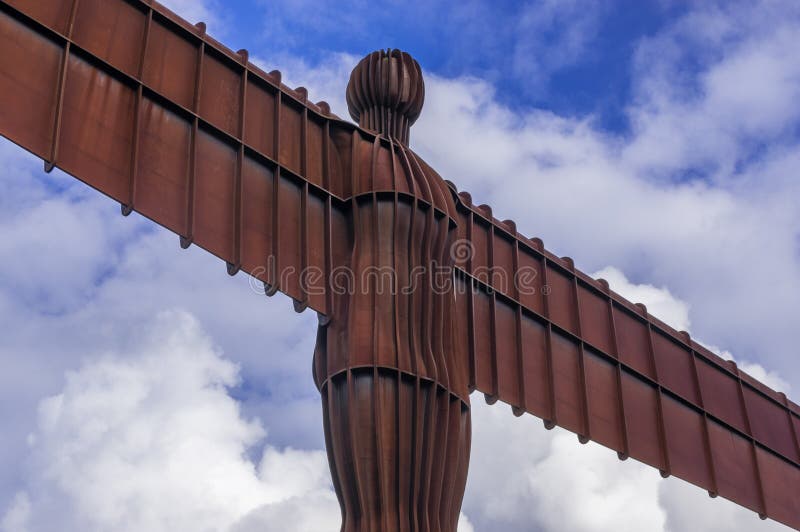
(149, 110)
(551, 341)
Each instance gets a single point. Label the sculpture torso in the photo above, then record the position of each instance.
(394, 300)
(395, 397)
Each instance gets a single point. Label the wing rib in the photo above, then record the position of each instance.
(148, 109)
(551, 341)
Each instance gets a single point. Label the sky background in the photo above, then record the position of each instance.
(657, 143)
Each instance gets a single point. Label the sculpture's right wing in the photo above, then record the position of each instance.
(551, 341)
(146, 108)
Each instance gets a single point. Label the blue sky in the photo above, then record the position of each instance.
(570, 57)
(655, 142)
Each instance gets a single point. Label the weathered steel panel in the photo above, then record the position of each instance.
(735, 467)
(213, 201)
(221, 93)
(314, 169)
(779, 488)
(150, 111)
(674, 367)
(52, 13)
(257, 211)
(770, 425)
(262, 103)
(561, 299)
(509, 359)
(623, 378)
(95, 134)
(29, 74)
(535, 379)
(119, 40)
(529, 279)
(291, 137)
(686, 444)
(570, 404)
(604, 396)
(290, 234)
(484, 343)
(633, 342)
(171, 64)
(161, 182)
(642, 420)
(595, 317)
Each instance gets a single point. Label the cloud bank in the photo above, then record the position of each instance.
(151, 440)
(151, 424)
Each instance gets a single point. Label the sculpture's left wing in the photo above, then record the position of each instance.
(551, 341)
(149, 110)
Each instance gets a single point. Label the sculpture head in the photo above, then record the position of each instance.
(386, 93)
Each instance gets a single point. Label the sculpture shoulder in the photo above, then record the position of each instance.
(381, 165)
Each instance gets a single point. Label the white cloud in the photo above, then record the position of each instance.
(770, 378)
(757, 371)
(523, 477)
(151, 440)
(538, 38)
(325, 81)
(602, 198)
(675, 313)
(17, 517)
(659, 301)
(551, 35)
(605, 495)
(690, 508)
(743, 96)
(208, 11)
(684, 199)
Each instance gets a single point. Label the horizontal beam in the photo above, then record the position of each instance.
(551, 341)
(150, 111)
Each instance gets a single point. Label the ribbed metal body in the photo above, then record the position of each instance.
(395, 398)
(346, 220)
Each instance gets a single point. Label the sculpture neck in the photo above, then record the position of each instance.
(386, 121)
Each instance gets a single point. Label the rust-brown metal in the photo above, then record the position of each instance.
(395, 399)
(549, 340)
(422, 296)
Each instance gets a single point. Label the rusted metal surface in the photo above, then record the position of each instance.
(394, 395)
(152, 112)
(349, 222)
(549, 340)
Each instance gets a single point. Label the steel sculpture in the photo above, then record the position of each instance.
(422, 296)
